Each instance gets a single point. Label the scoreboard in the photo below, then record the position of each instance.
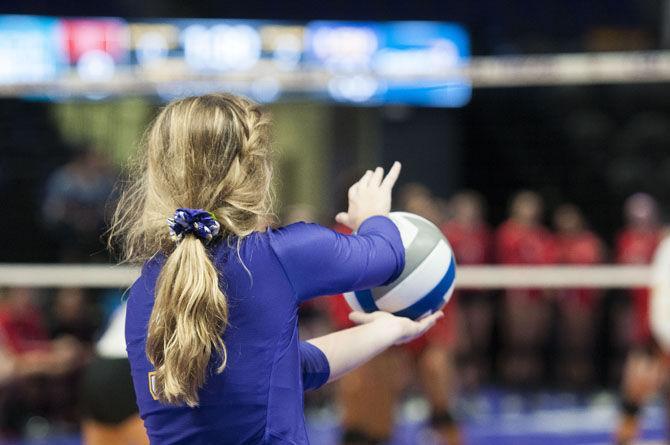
(368, 63)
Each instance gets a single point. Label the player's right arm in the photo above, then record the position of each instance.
(319, 261)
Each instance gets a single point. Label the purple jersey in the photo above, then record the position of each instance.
(258, 398)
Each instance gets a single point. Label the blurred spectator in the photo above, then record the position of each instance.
(75, 202)
(636, 244)
(467, 231)
(526, 315)
(433, 355)
(42, 367)
(417, 198)
(21, 322)
(72, 314)
(576, 245)
(648, 375)
(471, 239)
(643, 369)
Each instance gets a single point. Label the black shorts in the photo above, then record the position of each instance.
(107, 394)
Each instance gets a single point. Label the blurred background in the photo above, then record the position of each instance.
(534, 133)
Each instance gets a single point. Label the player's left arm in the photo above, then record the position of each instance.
(347, 349)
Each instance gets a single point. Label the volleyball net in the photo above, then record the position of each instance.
(468, 277)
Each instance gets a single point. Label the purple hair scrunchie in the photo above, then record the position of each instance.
(199, 222)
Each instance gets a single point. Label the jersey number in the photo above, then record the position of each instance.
(152, 385)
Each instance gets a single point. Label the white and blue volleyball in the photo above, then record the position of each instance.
(427, 281)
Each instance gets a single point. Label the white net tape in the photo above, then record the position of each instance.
(468, 277)
(656, 277)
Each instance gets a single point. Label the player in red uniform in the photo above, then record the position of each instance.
(522, 239)
(368, 395)
(472, 241)
(576, 245)
(643, 370)
(636, 245)
(39, 365)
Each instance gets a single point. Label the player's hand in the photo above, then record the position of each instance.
(370, 196)
(401, 328)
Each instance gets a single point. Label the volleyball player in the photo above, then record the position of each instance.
(211, 325)
(472, 241)
(523, 239)
(369, 396)
(576, 244)
(109, 411)
(645, 367)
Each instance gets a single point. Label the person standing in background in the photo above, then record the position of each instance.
(41, 367)
(367, 396)
(106, 395)
(659, 313)
(370, 394)
(643, 369)
(74, 205)
(524, 240)
(577, 308)
(416, 198)
(636, 244)
(471, 239)
(433, 355)
(73, 313)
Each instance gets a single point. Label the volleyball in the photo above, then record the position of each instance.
(427, 281)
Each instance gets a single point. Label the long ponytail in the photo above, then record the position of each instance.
(189, 316)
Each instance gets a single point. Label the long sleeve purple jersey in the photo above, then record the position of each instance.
(258, 398)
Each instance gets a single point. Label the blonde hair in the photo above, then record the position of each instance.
(209, 152)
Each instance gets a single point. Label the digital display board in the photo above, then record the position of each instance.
(391, 62)
(31, 49)
(368, 63)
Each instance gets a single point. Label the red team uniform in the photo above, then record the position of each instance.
(520, 244)
(471, 244)
(579, 249)
(24, 332)
(638, 247)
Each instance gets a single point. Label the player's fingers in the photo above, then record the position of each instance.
(353, 190)
(365, 179)
(361, 317)
(377, 177)
(436, 315)
(427, 322)
(342, 218)
(392, 176)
